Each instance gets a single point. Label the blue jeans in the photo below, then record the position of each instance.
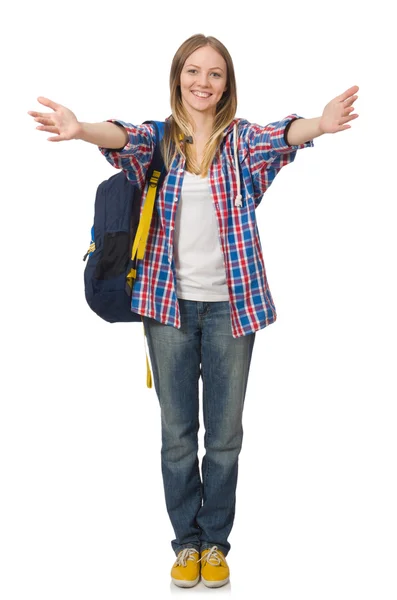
(201, 510)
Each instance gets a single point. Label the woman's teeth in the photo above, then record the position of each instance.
(201, 94)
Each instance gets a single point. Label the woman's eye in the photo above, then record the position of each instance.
(195, 71)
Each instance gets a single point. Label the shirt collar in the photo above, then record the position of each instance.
(230, 127)
(225, 131)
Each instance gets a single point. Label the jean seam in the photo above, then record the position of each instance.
(207, 433)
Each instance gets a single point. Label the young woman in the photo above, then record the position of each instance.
(201, 287)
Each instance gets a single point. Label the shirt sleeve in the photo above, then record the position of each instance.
(287, 128)
(269, 151)
(135, 157)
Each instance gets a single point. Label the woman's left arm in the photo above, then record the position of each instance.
(336, 114)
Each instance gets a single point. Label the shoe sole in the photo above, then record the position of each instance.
(215, 584)
(185, 583)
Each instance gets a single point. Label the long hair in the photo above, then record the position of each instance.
(180, 125)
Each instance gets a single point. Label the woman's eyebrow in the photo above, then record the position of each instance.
(211, 69)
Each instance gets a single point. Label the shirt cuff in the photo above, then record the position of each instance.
(124, 149)
(287, 128)
(279, 137)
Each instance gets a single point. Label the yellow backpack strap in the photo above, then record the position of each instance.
(148, 372)
(144, 222)
(138, 247)
(156, 174)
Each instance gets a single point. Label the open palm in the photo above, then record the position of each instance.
(339, 111)
(62, 121)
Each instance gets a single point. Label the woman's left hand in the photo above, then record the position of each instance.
(338, 112)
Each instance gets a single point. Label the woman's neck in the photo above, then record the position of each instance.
(203, 126)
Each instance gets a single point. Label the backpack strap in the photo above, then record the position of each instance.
(148, 372)
(155, 175)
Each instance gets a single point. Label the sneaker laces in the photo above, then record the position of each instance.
(212, 557)
(184, 555)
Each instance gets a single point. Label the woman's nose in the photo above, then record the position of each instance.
(203, 80)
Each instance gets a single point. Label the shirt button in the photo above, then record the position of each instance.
(181, 170)
(172, 229)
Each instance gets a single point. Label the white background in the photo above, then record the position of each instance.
(82, 508)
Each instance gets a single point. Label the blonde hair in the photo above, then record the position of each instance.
(180, 125)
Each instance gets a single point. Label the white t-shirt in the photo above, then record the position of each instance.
(198, 258)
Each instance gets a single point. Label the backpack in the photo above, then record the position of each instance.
(118, 240)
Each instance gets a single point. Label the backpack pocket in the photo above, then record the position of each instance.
(115, 255)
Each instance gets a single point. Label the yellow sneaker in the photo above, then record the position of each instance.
(214, 569)
(186, 569)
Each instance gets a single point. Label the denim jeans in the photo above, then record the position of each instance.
(201, 510)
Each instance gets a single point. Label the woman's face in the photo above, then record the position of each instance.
(203, 81)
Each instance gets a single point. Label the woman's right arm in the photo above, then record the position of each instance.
(64, 123)
(125, 146)
(106, 135)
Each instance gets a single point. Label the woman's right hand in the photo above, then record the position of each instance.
(62, 121)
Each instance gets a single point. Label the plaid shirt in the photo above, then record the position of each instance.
(262, 152)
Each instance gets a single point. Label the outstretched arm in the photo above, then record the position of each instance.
(64, 123)
(334, 118)
(105, 134)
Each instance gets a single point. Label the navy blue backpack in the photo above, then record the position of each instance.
(118, 239)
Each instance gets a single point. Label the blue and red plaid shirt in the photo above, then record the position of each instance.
(262, 152)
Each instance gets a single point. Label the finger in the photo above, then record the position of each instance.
(350, 101)
(349, 93)
(37, 114)
(44, 121)
(49, 129)
(48, 102)
(347, 119)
